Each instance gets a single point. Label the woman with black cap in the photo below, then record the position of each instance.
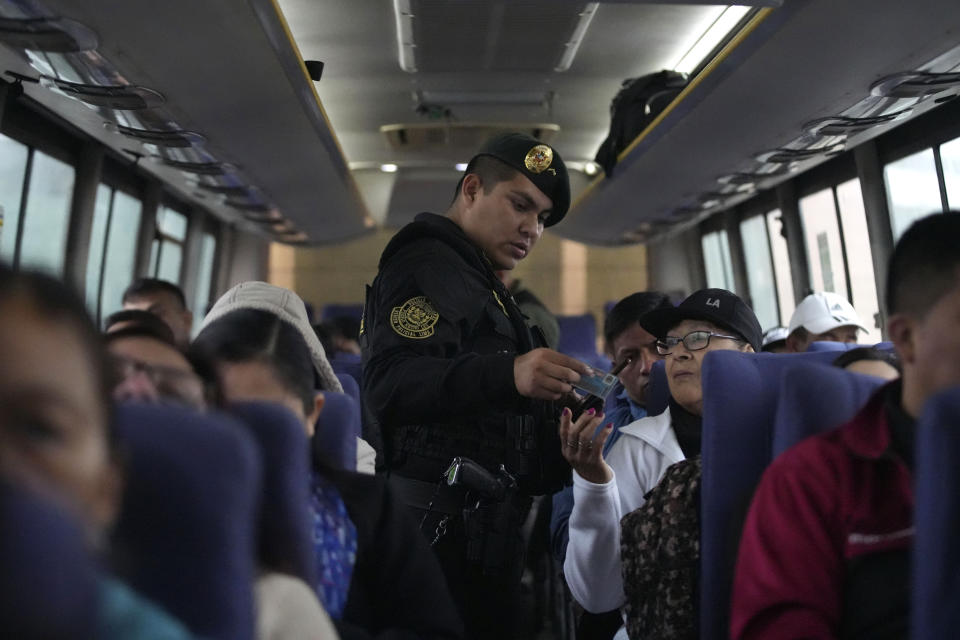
(606, 490)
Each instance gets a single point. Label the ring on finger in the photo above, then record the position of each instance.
(588, 445)
(572, 444)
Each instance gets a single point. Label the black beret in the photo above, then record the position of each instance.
(538, 162)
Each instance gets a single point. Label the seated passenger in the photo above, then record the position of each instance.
(377, 575)
(822, 317)
(870, 361)
(627, 341)
(136, 318)
(55, 433)
(606, 490)
(148, 367)
(166, 301)
(775, 340)
(288, 306)
(826, 545)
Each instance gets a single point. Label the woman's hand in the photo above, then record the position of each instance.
(583, 445)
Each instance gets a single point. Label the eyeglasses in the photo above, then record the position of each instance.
(176, 385)
(693, 341)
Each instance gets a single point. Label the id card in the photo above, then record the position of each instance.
(598, 384)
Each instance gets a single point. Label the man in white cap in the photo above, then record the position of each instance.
(822, 317)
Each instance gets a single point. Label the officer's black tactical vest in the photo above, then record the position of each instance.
(525, 441)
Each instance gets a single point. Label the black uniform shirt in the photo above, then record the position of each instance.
(440, 334)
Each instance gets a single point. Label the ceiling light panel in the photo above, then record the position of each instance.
(519, 36)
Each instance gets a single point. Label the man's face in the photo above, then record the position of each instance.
(640, 347)
(506, 222)
(166, 306)
(683, 365)
(846, 334)
(929, 348)
(53, 425)
(150, 371)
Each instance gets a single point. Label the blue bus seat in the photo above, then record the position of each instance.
(815, 398)
(350, 385)
(48, 579)
(936, 558)
(187, 529)
(740, 399)
(827, 345)
(337, 430)
(285, 532)
(578, 334)
(658, 392)
(350, 364)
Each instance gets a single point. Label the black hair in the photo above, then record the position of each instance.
(628, 312)
(253, 335)
(324, 332)
(924, 265)
(491, 172)
(348, 327)
(144, 321)
(146, 286)
(847, 358)
(58, 302)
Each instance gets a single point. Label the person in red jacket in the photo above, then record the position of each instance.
(825, 548)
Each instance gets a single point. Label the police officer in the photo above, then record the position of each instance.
(451, 368)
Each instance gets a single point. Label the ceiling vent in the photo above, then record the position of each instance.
(457, 136)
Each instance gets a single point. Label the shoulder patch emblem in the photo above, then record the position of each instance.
(414, 319)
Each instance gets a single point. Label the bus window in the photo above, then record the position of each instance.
(716, 259)
(781, 265)
(47, 215)
(950, 159)
(13, 166)
(166, 253)
(856, 240)
(208, 251)
(913, 190)
(119, 261)
(824, 252)
(756, 253)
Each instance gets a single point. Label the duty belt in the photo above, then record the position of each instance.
(437, 497)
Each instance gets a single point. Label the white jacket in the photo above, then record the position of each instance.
(638, 459)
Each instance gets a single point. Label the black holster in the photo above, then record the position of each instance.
(493, 534)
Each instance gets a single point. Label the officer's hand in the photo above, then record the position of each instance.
(582, 445)
(546, 374)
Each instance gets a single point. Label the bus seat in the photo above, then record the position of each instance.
(740, 398)
(827, 345)
(658, 392)
(48, 579)
(338, 427)
(936, 557)
(578, 334)
(815, 398)
(349, 384)
(187, 529)
(331, 311)
(348, 363)
(884, 346)
(285, 531)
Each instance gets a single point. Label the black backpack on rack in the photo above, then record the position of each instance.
(634, 107)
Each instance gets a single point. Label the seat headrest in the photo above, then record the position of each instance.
(187, 530)
(285, 532)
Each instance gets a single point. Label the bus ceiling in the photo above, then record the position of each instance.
(213, 97)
